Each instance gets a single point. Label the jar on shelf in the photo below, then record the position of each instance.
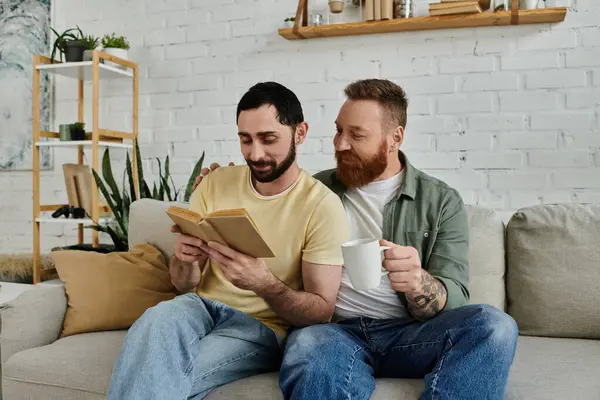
(403, 8)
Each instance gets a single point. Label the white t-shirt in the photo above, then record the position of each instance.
(364, 208)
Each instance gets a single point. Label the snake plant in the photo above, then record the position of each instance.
(119, 199)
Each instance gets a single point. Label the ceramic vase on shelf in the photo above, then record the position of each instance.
(528, 4)
(336, 6)
(64, 132)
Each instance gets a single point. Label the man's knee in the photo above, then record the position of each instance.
(166, 314)
(312, 344)
(499, 327)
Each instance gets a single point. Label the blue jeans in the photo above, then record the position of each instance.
(464, 353)
(185, 347)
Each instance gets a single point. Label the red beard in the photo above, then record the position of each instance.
(354, 172)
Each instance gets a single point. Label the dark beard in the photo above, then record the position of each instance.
(276, 170)
(354, 172)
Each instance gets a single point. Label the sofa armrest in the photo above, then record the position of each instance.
(35, 318)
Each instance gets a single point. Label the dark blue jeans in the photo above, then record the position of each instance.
(465, 353)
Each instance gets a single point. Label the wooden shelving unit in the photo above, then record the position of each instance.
(514, 16)
(85, 71)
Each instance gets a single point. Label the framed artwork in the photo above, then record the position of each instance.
(24, 31)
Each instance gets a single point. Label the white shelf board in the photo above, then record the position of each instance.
(72, 221)
(83, 70)
(87, 143)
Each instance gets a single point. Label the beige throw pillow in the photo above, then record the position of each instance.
(111, 291)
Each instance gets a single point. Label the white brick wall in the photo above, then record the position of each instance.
(507, 115)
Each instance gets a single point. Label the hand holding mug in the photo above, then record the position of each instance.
(404, 266)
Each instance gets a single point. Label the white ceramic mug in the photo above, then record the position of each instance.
(362, 259)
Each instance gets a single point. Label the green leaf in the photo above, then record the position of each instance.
(130, 175)
(126, 205)
(144, 191)
(110, 179)
(197, 169)
(116, 211)
(154, 191)
(165, 181)
(176, 191)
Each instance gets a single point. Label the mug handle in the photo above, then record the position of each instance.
(383, 248)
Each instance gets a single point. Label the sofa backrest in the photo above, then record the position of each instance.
(487, 261)
(149, 223)
(553, 259)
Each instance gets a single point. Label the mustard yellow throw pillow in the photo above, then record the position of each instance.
(111, 291)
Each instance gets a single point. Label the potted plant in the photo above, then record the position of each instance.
(289, 22)
(91, 43)
(117, 46)
(77, 131)
(70, 43)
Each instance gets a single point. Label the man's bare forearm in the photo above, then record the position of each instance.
(297, 307)
(430, 300)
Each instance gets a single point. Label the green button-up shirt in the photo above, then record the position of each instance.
(430, 216)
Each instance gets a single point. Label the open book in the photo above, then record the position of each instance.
(233, 228)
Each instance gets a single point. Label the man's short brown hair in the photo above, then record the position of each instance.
(388, 94)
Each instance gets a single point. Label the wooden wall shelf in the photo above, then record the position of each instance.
(499, 18)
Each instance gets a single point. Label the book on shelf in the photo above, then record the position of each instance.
(78, 180)
(462, 3)
(472, 8)
(233, 228)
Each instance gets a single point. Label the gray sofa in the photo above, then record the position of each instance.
(543, 268)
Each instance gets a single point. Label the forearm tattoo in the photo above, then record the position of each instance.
(428, 302)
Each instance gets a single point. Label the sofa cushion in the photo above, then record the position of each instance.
(486, 257)
(266, 387)
(552, 368)
(68, 368)
(544, 368)
(553, 282)
(149, 223)
(111, 291)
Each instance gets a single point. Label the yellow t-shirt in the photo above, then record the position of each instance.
(305, 222)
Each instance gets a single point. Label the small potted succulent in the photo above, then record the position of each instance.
(77, 131)
(289, 22)
(91, 43)
(117, 46)
(70, 44)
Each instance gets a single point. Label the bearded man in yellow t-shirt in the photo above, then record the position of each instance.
(233, 318)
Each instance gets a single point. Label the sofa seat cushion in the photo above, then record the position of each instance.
(79, 364)
(544, 368)
(266, 387)
(552, 368)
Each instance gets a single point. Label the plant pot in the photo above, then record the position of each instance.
(88, 55)
(74, 50)
(64, 132)
(121, 53)
(528, 4)
(77, 134)
(336, 6)
(485, 4)
(102, 248)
